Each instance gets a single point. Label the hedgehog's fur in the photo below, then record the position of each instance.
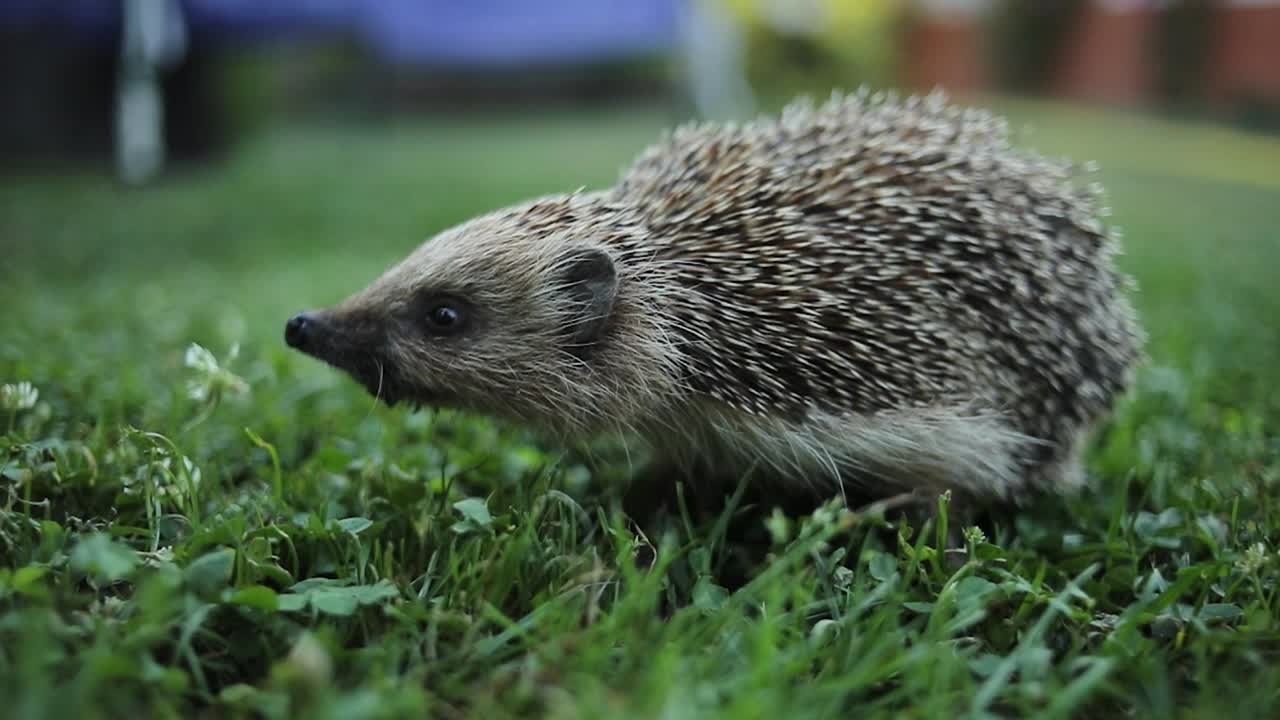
(877, 291)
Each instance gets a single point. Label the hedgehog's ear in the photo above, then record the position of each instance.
(590, 281)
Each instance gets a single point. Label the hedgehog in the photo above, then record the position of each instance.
(877, 293)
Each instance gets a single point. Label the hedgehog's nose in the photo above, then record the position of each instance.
(299, 329)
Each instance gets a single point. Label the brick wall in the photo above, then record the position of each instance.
(1244, 56)
(947, 51)
(1108, 55)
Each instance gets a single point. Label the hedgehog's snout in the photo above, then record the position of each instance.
(333, 337)
(300, 330)
(353, 347)
(316, 334)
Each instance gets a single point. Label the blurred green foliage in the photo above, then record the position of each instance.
(837, 43)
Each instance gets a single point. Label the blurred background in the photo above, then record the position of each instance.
(142, 83)
(177, 171)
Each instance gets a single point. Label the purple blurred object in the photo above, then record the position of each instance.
(516, 31)
(484, 32)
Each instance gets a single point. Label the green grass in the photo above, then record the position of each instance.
(324, 557)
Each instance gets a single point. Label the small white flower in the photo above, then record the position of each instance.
(974, 535)
(1254, 558)
(212, 380)
(22, 396)
(198, 358)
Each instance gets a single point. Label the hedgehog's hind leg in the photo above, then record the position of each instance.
(796, 466)
(1061, 467)
(929, 450)
(859, 457)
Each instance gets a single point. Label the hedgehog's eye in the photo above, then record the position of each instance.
(445, 318)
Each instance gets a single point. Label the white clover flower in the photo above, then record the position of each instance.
(974, 535)
(22, 396)
(212, 379)
(1254, 558)
(198, 358)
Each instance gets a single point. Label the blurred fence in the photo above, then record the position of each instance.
(1218, 55)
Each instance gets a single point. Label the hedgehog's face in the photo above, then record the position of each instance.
(489, 316)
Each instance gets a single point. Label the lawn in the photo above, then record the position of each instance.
(247, 534)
